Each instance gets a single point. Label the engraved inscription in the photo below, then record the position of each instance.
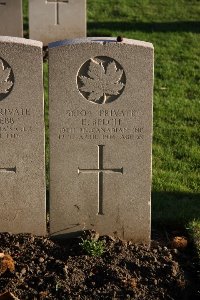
(104, 124)
(6, 79)
(11, 112)
(101, 80)
(100, 171)
(13, 122)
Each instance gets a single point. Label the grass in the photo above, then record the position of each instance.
(93, 247)
(194, 230)
(174, 29)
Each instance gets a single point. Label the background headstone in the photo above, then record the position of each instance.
(22, 168)
(53, 20)
(11, 18)
(100, 137)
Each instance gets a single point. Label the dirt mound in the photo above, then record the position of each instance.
(47, 269)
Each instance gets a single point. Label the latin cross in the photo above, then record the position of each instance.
(56, 3)
(101, 171)
(8, 170)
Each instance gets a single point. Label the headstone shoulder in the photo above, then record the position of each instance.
(100, 40)
(20, 41)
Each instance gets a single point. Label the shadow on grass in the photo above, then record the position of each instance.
(26, 28)
(187, 26)
(174, 208)
(25, 19)
(169, 209)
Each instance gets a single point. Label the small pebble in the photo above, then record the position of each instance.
(170, 256)
(23, 271)
(175, 251)
(41, 259)
(119, 39)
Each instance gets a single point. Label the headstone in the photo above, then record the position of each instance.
(11, 18)
(22, 168)
(53, 20)
(100, 137)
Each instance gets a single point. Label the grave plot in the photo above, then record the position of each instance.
(100, 97)
(11, 18)
(22, 168)
(54, 20)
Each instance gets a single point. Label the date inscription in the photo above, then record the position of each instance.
(105, 124)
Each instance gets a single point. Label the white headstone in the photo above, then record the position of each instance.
(53, 20)
(11, 18)
(22, 163)
(100, 93)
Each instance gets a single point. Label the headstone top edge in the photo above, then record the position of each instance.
(100, 40)
(18, 40)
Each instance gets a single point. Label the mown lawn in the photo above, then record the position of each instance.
(174, 29)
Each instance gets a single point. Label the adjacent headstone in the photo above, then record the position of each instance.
(101, 136)
(11, 18)
(53, 20)
(22, 168)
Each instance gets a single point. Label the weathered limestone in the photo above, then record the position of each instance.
(100, 137)
(53, 20)
(22, 168)
(11, 18)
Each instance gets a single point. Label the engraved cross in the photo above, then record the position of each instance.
(57, 16)
(8, 170)
(100, 171)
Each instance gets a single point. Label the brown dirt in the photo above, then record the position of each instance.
(47, 269)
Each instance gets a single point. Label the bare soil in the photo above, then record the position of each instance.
(49, 269)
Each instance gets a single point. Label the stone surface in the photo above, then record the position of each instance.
(11, 18)
(53, 20)
(100, 137)
(22, 168)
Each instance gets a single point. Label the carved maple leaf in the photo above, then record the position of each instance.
(5, 84)
(102, 82)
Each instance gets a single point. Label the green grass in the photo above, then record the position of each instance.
(93, 247)
(174, 29)
(194, 230)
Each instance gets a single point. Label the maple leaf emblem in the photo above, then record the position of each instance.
(5, 83)
(102, 81)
